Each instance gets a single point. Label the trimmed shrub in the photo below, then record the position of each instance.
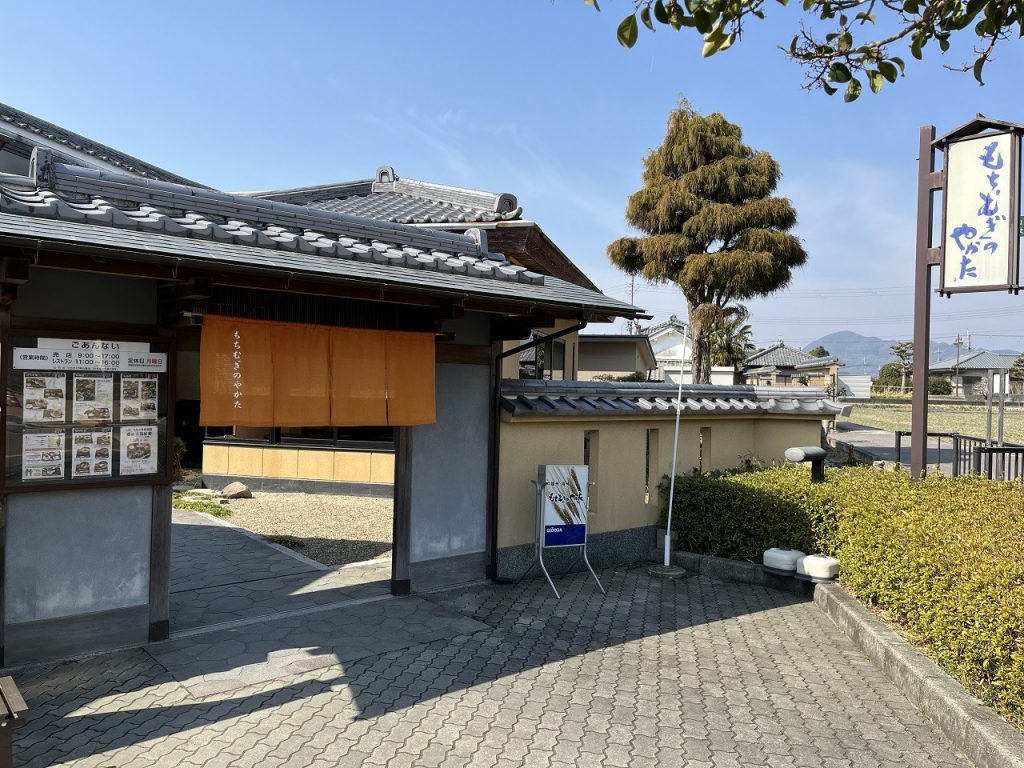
(939, 386)
(942, 558)
(741, 514)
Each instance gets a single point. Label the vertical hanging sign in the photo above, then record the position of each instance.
(980, 249)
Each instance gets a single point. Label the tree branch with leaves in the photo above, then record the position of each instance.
(863, 36)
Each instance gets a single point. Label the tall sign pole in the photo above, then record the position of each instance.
(980, 242)
(928, 181)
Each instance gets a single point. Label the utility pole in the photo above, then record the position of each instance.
(956, 368)
(968, 341)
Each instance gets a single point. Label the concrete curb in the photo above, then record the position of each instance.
(973, 728)
(722, 569)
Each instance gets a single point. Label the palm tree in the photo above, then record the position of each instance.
(730, 342)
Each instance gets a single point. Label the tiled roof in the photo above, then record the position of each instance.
(781, 356)
(981, 360)
(84, 205)
(599, 399)
(54, 133)
(673, 324)
(403, 201)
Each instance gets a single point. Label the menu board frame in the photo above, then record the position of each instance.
(96, 372)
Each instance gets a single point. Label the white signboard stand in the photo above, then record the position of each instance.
(563, 494)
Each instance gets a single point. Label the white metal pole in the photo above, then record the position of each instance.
(675, 451)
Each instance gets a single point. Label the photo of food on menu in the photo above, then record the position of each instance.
(43, 398)
(91, 452)
(138, 398)
(93, 397)
(42, 455)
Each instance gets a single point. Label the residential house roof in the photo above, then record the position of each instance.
(190, 225)
(980, 360)
(599, 399)
(403, 201)
(781, 356)
(22, 131)
(672, 324)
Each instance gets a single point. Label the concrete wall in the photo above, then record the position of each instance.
(449, 468)
(299, 463)
(621, 500)
(609, 358)
(76, 552)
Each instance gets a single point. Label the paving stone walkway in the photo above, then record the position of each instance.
(223, 574)
(692, 673)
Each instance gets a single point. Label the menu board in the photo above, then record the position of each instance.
(44, 397)
(83, 410)
(91, 452)
(94, 397)
(139, 450)
(42, 454)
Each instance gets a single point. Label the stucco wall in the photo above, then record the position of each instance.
(76, 552)
(619, 458)
(449, 468)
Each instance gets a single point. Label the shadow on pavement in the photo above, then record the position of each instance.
(502, 631)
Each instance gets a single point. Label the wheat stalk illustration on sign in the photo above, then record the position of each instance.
(568, 500)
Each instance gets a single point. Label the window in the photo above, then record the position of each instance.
(705, 450)
(651, 467)
(590, 458)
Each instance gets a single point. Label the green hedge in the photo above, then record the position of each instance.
(944, 558)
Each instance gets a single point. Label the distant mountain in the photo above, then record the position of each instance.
(866, 354)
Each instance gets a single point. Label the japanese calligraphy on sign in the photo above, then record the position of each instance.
(982, 211)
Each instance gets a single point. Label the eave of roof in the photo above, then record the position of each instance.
(167, 221)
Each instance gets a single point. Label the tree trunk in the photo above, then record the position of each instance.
(700, 353)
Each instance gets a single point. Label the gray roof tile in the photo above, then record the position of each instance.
(589, 399)
(781, 356)
(981, 360)
(74, 204)
(130, 165)
(403, 201)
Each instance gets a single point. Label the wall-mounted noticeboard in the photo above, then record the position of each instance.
(83, 410)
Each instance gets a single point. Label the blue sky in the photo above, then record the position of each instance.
(526, 96)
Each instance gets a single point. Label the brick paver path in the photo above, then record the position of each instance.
(692, 673)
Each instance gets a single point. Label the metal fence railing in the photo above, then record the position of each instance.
(966, 454)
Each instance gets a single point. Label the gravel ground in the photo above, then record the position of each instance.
(332, 529)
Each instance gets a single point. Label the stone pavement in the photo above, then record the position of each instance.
(222, 574)
(870, 444)
(696, 673)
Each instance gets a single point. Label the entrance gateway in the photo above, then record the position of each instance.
(91, 259)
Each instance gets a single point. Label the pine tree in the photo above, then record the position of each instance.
(819, 351)
(713, 227)
(1017, 369)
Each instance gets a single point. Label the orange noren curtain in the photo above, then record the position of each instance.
(358, 380)
(410, 378)
(256, 373)
(235, 373)
(302, 374)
